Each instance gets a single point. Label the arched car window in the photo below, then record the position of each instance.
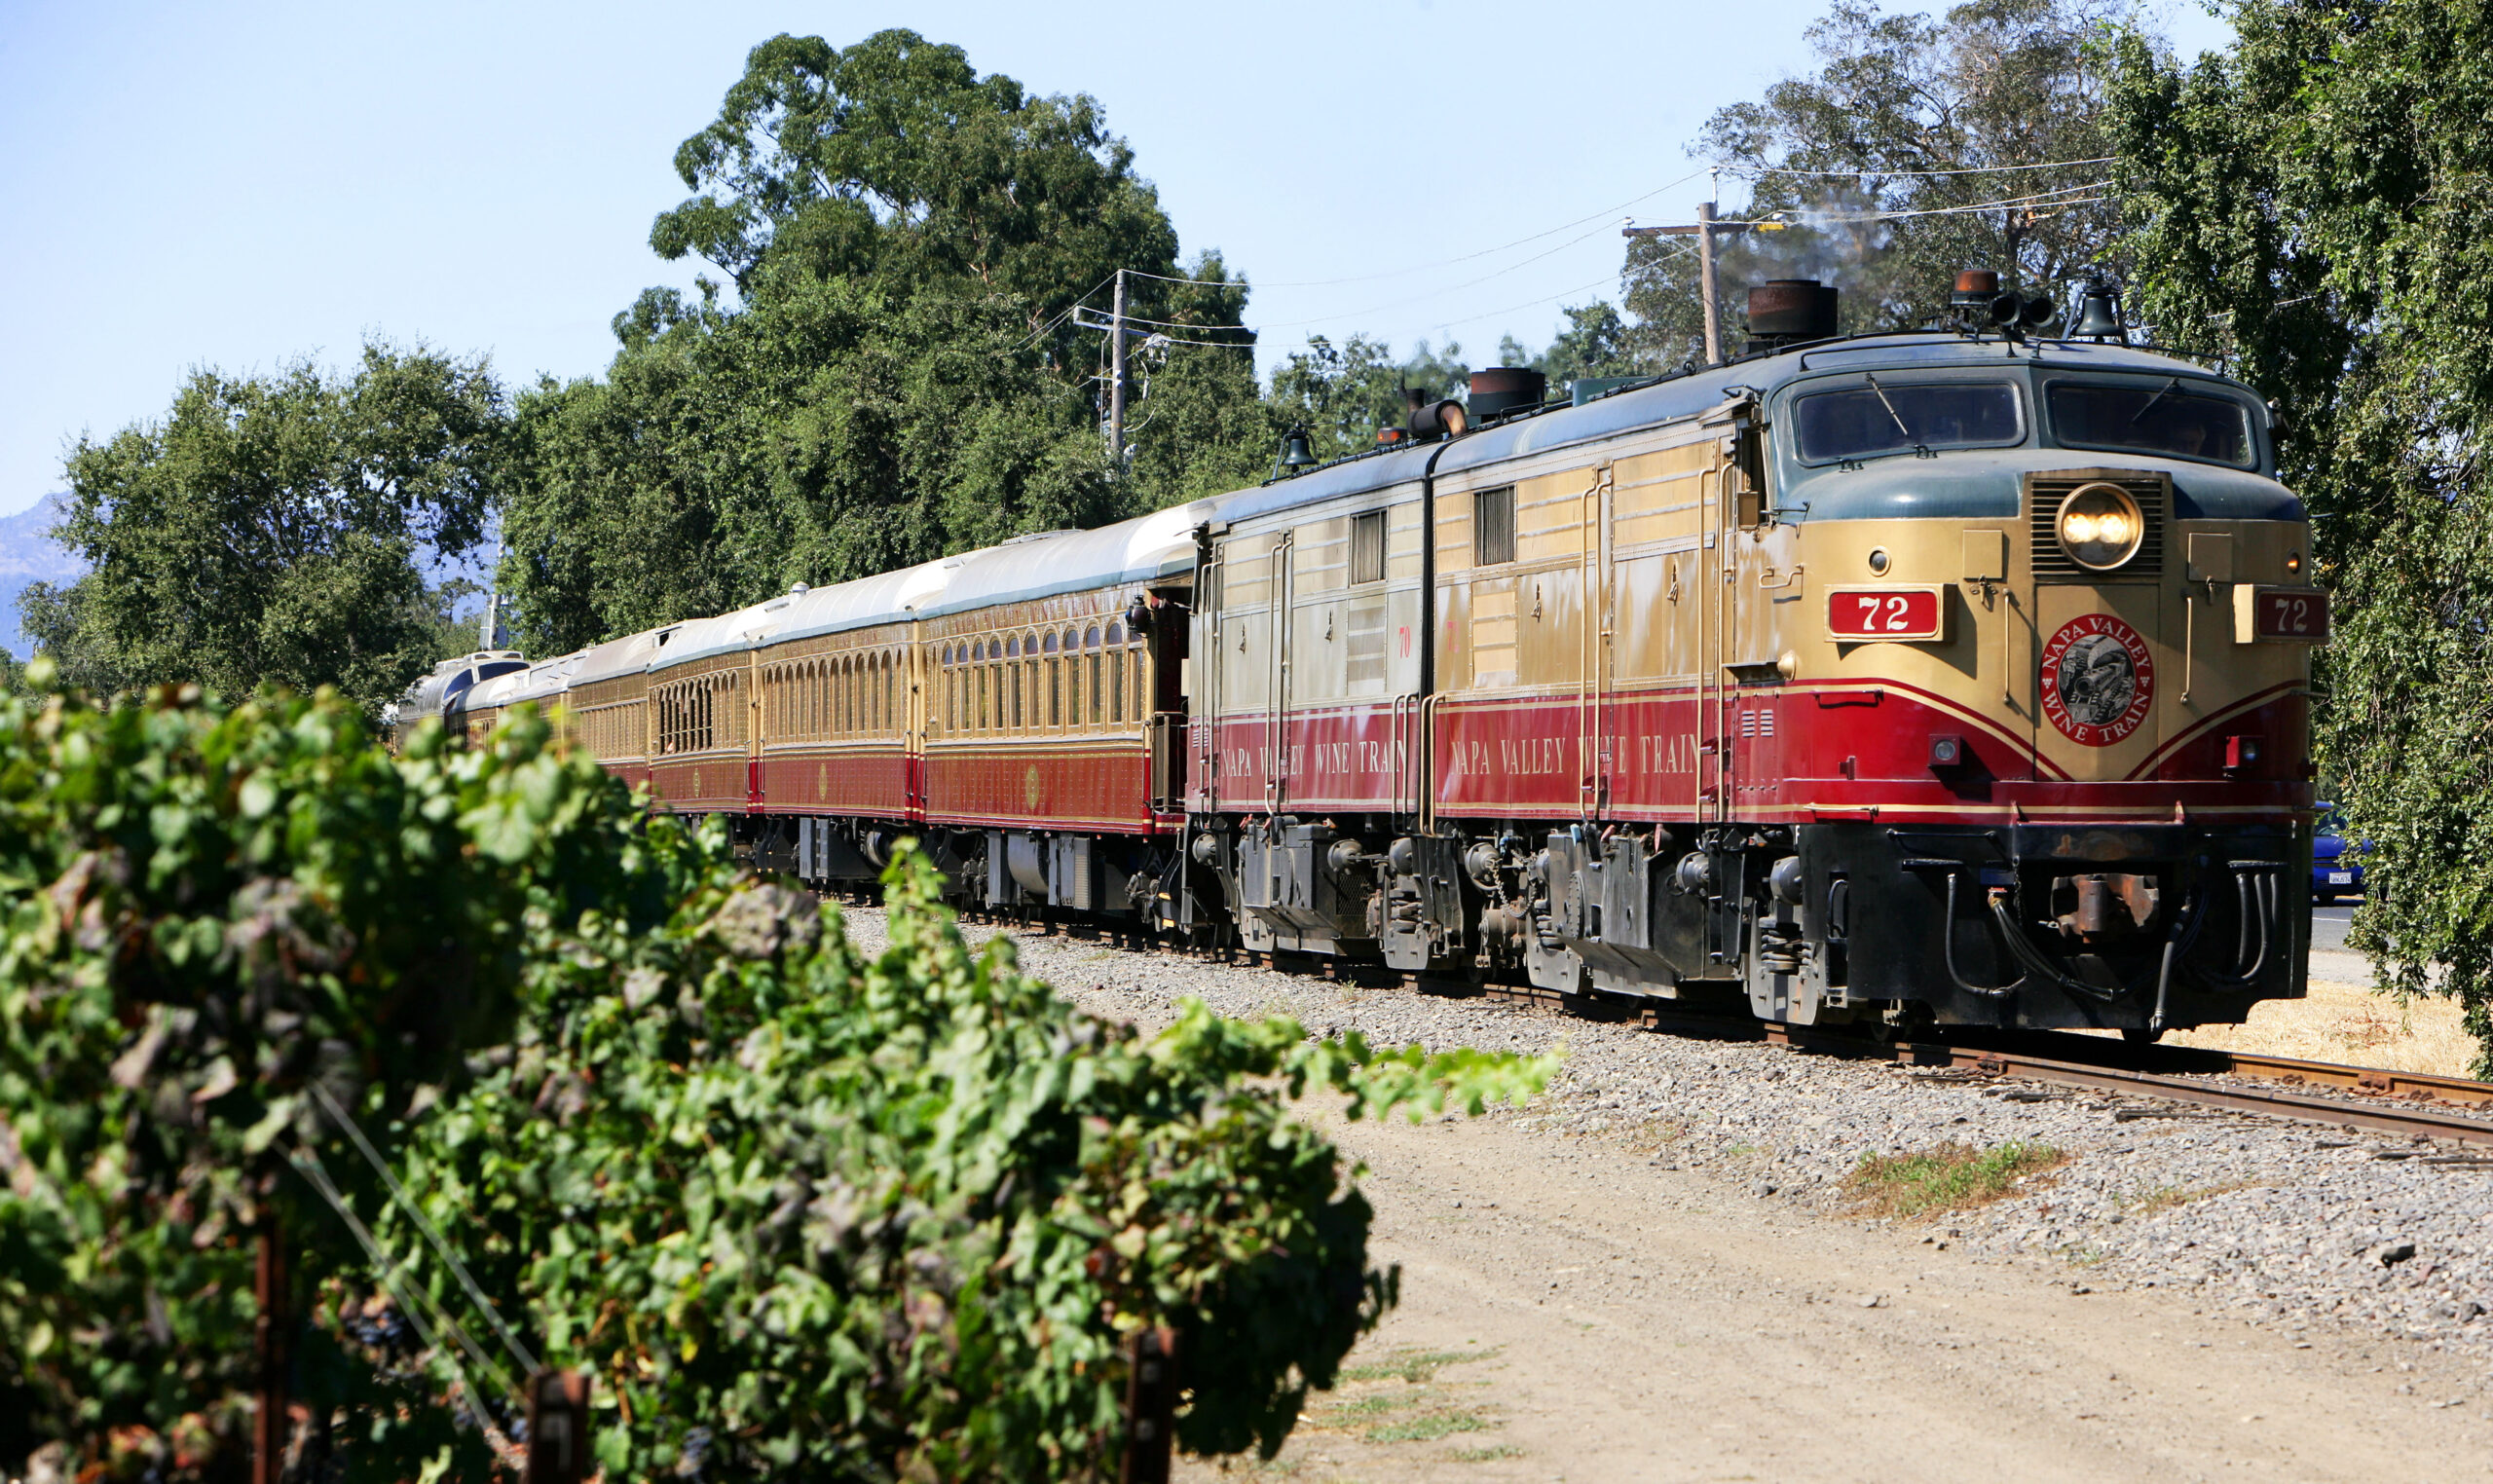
(2164, 416)
(1895, 417)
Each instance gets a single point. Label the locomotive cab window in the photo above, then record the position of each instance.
(1897, 417)
(2164, 417)
(1492, 527)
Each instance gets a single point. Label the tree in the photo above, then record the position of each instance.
(1885, 159)
(2310, 210)
(899, 372)
(1598, 341)
(1343, 394)
(269, 529)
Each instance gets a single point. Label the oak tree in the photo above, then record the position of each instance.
(274, 527)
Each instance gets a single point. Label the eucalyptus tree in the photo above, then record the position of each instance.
(895, 362)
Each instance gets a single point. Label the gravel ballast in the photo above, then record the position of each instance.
(2282, 1224)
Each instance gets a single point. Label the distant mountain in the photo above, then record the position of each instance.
(28, 555)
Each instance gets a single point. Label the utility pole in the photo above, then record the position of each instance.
(490, 627)
(1117, 375)
(1706, 229)
(1705, 283)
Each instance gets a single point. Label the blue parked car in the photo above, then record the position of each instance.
(2336, 863)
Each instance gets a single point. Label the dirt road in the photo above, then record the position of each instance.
(1576, 1310)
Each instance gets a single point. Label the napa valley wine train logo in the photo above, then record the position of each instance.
(2099, 680)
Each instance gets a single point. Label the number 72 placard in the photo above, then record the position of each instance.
(2279, 616)
(1865, 615)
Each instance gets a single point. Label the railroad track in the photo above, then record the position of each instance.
(2369, 1099)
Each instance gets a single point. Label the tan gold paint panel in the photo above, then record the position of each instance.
(1402, 562)
(1539, 623)
(1658, 496)
(1655, 597)
(1552, 515)
(1493, 634)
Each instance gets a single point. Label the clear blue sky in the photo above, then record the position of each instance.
(243, 185)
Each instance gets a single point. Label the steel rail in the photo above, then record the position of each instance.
(2392, 1102)
(2229, 1089)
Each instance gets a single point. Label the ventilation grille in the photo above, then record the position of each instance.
(2044, 494)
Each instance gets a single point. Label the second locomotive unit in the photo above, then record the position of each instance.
(1955, 676)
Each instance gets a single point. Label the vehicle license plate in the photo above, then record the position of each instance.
(2341, 878)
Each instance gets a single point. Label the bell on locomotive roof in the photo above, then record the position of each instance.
(2099, 313)
(1295, 454)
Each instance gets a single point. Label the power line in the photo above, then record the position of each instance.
(2058, 197)
(1435, 293)
(2065, 196)
(1173, 324)
(1300, 345)
(1399, 272)
(1986, 170)
(1530, 304)
(1068, 309)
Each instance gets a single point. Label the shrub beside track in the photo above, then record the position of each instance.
(792, 1208)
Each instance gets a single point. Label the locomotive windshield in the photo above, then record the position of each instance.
(1895, 417)
(2153, 418)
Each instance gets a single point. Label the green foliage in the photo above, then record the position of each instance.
(798, 1208)
(1342, 394)
(894, 160)
(1991, 85)
(2309, 208)
(806, 1210)
(268, 530)
(212, 912)
(454, 617)
(900, 374)
(1598, 341)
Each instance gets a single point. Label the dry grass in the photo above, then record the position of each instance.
(2348, 1023)
(2164, 1198)
(1393, 1401)
(1416, 1366)
(1951, 1177)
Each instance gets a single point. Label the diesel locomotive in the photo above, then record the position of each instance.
(1954, 675)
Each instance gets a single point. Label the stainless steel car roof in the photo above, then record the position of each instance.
(541, 681)
(627, 655)
(1144, 549)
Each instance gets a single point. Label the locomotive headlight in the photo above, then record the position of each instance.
(2100, 526)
